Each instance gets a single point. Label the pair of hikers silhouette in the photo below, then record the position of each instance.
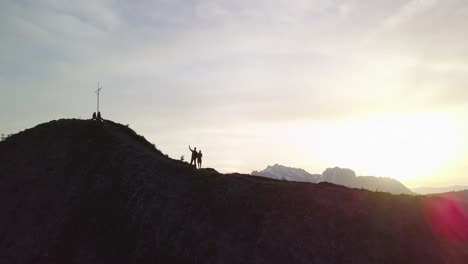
(196, 157)
(97, 117)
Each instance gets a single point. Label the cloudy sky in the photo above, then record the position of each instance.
(374, 85)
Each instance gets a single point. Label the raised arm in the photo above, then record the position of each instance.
(190, 148)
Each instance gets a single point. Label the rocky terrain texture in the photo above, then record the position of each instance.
(76, 191)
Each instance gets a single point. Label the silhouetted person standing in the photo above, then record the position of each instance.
(94, 115)
(99, 118)
(194, 156)
(199, 159)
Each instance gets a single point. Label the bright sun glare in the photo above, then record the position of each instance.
(407, 147)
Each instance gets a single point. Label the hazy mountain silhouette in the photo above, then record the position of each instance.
(345, 177)
(280, 172)
(432, 190)
(75, 191)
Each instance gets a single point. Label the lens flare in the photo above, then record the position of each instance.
(448, 218)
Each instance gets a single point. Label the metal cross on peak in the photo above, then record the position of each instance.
(98, 91)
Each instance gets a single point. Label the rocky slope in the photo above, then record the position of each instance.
(345, 177)
(75, 191)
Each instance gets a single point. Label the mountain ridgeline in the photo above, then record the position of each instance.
(81, 191)
(436, 190)
(345, 177)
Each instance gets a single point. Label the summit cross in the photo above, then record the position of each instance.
(98, 91)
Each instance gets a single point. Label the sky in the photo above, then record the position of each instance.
(377, 86)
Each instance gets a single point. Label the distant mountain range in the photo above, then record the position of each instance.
(280, 172)
(433, 190)
(345, 177)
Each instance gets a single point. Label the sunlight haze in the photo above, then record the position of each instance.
(380, 87)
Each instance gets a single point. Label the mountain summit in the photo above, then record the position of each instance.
(345, 177)
(284, 173)
(80, 191)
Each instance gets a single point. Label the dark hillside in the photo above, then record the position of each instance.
(461, 196)
(75, 191)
